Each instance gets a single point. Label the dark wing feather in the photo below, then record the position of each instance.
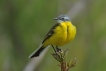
(50, 33)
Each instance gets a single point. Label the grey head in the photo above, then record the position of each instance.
(62, 18)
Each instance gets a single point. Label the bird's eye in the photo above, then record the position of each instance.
(62, 18)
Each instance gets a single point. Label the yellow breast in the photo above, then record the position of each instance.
(71, 32)
(63, 34)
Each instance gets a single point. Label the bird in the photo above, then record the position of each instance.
(60, 34)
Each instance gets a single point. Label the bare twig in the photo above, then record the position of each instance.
(61, 56)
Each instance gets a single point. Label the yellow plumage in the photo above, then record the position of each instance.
(63, 34)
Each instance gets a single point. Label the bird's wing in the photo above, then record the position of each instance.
(50, 33)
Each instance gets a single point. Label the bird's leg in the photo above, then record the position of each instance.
(53, 47)
(58, 49)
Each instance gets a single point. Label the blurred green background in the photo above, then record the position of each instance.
(24, 23)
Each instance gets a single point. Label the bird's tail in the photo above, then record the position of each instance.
(37, 52)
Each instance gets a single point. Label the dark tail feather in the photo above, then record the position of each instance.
(37, 52)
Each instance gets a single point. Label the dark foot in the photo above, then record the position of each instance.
(58, 49)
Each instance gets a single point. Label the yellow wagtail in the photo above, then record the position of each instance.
(60, 34)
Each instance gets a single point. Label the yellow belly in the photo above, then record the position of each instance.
(63, 34)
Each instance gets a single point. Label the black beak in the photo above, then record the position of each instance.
(55, 19)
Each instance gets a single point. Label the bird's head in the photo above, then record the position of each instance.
(62, 18)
